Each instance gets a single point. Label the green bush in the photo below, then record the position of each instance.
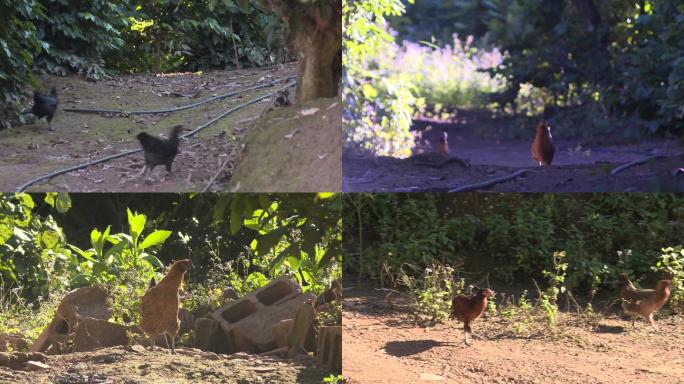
(378, 101)
(510, 236)
(18, 44)
(78, 35)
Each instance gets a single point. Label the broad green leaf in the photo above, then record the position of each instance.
(155, 238)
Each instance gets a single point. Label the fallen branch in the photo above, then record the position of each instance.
(489, 183)
(220, 170)
(635, 162)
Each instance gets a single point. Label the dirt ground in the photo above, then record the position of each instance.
(136, 365)
(578, 166)
(31, 150)
(385, 344)
(293, 149)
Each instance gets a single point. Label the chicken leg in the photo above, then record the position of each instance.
(652, 321)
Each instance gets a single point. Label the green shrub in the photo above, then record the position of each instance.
(672, 261)
(18, 43)
(378, 101)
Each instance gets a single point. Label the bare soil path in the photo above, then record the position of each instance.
(119, 365)
(577, 166)
(385, 344)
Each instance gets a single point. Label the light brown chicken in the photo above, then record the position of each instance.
(468, 308)
(160, 305)
(542, 146)
(643, 302)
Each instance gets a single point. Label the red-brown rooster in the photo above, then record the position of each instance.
(468, 308)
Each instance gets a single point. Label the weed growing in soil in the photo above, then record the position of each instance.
(556, 277)
(27, 319)
(333, 379)
(433, 289)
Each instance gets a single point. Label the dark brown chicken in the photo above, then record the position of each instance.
(468, 308)
(443, 145)
(45, 105)
(159, 151)
(542, 146)
(643, 302)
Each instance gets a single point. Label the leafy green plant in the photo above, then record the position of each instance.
(334, 379)
(19, 41)
(78, 36)
(121, 262)
(548, 302)
(433, 290)
(672, 261)
(378, 101)
(34, 254)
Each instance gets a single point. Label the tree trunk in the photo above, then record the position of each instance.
(315, 31)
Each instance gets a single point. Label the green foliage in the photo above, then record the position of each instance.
(511, 236)
(378, 100)
(548, 301)
(170, 35)
(672, 261)
(34, 254)
(628, 64)
(334, 379)
(17, 315)
(18, 43)
(296, 234)
(433, 289)
(79, 34)
(122, 263)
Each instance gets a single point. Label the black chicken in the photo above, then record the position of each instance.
(45, 105)
(159, 151)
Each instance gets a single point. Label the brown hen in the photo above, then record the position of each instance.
(643, 302)
(542, 146)
(160, 305)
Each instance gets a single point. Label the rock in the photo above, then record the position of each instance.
(206, 334)
(18, 360)
(210, 356)
(96, 333)
(187, 321)
(329, 349)
(135, 348)
(12, 341)
(36, 366)
(81, 302)
(247, 324)
(282, 331)
(301, 338)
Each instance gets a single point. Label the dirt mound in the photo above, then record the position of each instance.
(293, 149)
(383, 344)
(134, 364)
